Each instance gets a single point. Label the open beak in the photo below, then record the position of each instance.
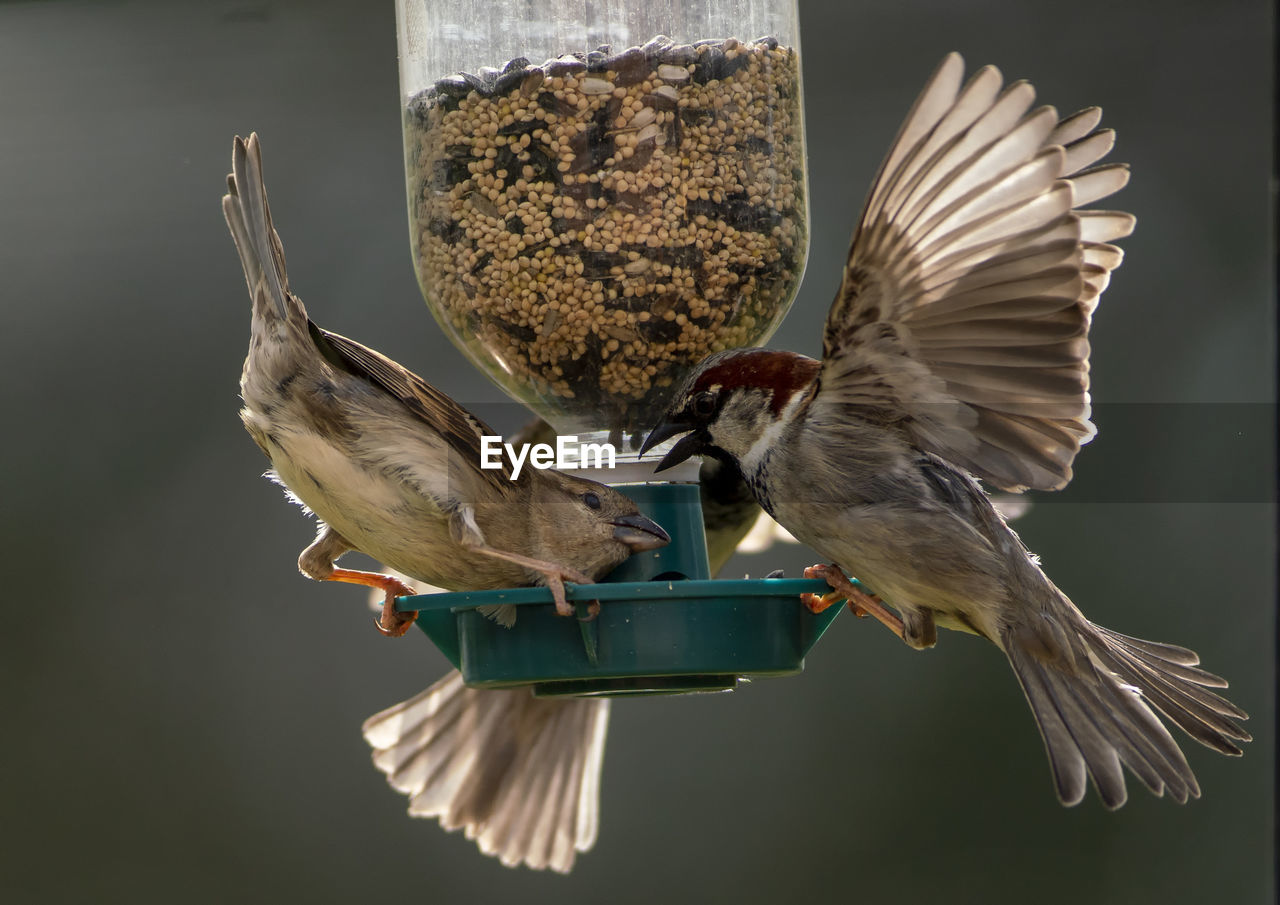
(690, 445)
(639, 533)
(664, 431)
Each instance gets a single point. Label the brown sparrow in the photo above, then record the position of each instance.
(391, 467)
(389, 464)
(957, 348)
(729, 511)
(521, 775)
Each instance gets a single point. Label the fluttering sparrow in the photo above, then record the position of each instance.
(518, 774)
(957, 348)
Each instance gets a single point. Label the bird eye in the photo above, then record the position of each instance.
(592, 501)
(704, 404)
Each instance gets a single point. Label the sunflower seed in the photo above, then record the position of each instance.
(595, 86)
(667, 93)
(669, 73)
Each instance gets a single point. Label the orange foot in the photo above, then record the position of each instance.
(393, 623)
(555, 574)
(816, 603)
(860, 602)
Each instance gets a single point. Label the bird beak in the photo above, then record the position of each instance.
(689, 446)
(663, 431)
(639, 533)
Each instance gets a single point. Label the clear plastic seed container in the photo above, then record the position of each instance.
(603, 193)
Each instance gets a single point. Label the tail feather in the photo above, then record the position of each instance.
(1170, 653)
(1191, 674)
(1097, 725)
(1093, 703)
(518, 774)
(1074, 744)
(1197, 712)
(249, 219)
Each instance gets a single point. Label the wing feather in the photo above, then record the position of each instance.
(964, 311)
(460, 429)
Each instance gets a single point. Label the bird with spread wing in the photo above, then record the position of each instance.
(957, 349)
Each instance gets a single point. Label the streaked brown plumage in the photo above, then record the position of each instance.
(729, 511)
(389, 464)
(958, 347)
(474, 759)
(391, 467)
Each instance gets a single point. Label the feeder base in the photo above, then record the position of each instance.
(663, 626)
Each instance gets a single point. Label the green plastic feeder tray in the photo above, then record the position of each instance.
(663, 627)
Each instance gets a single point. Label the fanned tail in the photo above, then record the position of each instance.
(1092, 692)
(518, 774)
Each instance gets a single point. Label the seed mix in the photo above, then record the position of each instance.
(603, 221)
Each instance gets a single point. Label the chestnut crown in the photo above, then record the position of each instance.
(729, 400)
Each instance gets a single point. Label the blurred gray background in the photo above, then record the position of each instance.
(182, 708)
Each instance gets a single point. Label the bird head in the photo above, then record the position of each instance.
(590, 526)
(730, 402)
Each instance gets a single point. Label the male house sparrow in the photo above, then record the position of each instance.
(957, 348)
(391, 467)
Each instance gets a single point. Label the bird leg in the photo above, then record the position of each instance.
(919, 629)
(556, 576)
(860, 602)
(317, 561)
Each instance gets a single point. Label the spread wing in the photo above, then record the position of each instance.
(460, 429)
(964, 311)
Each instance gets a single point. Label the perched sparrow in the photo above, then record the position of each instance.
(729, 511)
(391, 467)
(521, 775)
(389, 464)
(957, 347)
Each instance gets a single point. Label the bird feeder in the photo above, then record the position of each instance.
(601, 193)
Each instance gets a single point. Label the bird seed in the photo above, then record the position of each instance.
(602, 222)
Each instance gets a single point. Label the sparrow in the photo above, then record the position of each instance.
(390, 465)
(729, 511)
(957, 350)
(520, 775)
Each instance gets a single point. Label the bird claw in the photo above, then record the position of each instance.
(593, 610)
(556, 580)
(392, 622)
(556, 576)
(816, 603)
(860, 602)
